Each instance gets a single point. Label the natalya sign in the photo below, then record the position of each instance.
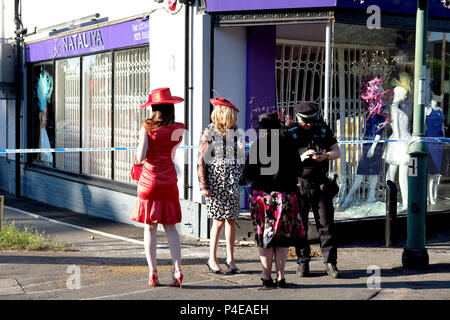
(89, 39)
(126, 34)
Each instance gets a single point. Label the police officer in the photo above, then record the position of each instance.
(317, 146)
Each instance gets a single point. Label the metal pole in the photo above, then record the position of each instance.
(415, 255)
(443, 53)
(391, 213)
(18, 90)
(2, 21)
(2, 201)
(327, 73)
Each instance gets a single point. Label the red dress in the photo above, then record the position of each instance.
(158, 200)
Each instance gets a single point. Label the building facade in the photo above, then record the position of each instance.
(84, 83)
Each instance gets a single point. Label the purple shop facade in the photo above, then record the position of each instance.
(121, 35)
(394, 6)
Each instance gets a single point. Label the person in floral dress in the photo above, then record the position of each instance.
(273, 200)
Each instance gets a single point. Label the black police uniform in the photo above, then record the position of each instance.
(311, 188)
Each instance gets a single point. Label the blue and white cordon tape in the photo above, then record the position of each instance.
(413, 139)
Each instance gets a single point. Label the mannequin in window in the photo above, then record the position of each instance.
(435, 128)
(396, 153)
(44, 90)
(370, 163)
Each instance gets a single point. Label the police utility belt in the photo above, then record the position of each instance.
(321, 186)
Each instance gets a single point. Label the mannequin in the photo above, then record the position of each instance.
(370, 163)
(396, 153)
(44, 90)
(435, 128)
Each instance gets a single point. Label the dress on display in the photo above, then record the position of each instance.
(158, 199)
(434, 129)
(44, 143)
(220, 172)
(396, 153)
(372, 165)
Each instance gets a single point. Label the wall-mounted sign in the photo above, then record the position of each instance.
(120, 35)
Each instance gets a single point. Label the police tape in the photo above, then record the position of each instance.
(75, 149)
(414, 139)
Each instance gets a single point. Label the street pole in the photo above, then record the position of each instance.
(415, 255)
(18, 91)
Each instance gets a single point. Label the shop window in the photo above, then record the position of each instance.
(387, 54)
(437, 119)
(67, 100)
(97, 114)
(131, 89)
(356, 53)
(80, 104)
(42, 104)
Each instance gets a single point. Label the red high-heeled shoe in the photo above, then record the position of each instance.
(153, 279)
(177, 277)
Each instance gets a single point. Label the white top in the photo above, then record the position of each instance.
(397, 152)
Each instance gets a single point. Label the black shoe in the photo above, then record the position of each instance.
(212, 270)
(303, 269)
(282, 283)
(267, 284)
(233, 270)
(332, 270)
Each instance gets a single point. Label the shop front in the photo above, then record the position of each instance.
(84, 90)
(325, 52)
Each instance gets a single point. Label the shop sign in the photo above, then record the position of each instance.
(121, 35)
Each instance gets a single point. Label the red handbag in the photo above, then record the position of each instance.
(136, 171)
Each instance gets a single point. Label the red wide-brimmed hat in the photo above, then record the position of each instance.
(222, 102)
(161, 96)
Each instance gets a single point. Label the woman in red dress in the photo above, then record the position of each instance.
(158, 201)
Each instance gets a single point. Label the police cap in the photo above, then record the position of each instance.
(308, 111)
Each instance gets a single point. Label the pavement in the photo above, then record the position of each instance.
(109, 264)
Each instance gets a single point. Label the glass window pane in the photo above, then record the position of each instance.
(131, 89)
(96, 114)
(67, 102)
(437, 119)
(43, 126)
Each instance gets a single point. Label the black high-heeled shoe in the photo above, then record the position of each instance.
(235, 270)
(212, 270)
(268, 284)
(282, 283)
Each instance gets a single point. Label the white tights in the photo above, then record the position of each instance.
(150, 244)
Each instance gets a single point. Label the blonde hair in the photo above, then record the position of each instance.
(404, 81)
(223, 118)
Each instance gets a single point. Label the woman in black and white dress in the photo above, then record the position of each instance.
(220, 165)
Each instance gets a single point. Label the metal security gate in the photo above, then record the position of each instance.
(300, 70)
(300, 77)
(131, 88)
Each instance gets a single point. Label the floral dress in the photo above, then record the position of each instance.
(220, 167)
(276, 218)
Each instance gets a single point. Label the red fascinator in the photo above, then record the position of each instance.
(223, 102)
(161, 96)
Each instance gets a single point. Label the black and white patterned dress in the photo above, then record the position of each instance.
(220, 166)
